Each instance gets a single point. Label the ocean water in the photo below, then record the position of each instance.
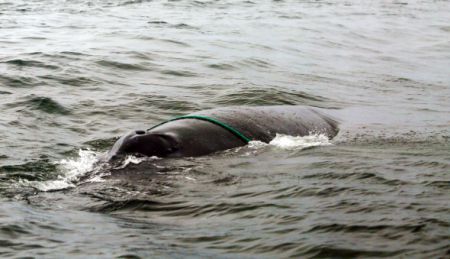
(77, 74)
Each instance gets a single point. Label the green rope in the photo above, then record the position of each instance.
(209, 119)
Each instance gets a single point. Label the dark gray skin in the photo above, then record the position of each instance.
(193, 137)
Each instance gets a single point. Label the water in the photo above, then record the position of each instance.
(75, 75)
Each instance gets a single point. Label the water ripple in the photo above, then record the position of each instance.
(42, 104)
(267, 96)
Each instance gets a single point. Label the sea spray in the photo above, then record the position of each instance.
(296, 143)
(71, 171)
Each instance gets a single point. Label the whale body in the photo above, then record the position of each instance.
(209, 131)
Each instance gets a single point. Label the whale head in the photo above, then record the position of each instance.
(143, 143)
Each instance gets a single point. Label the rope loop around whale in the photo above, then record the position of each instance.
(209, 119)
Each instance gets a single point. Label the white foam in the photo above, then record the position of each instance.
(71, 169)
(255, 144)
(298, 143)
(135, 160)
(190, 179)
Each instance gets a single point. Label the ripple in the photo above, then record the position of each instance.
(120, 65)
(341, 252)
(133, 2)
(298, 191)
(157, 22)
(18, 245)
(131, 204)
(101, 144)
(13, 231)
(161, 23)
(73, 53)
(201, 239)
(184, 209)
(360, 174)
(222, 66)
(178, 73)
(70, 80)
(165, 103)
(30, 63)
(176, 42)
(269, 96)
(43, 104)
(19, 81)
(254, 62)
(413, 228)
(439, 184)
(35, 170)
(222, 208)
(184, 26)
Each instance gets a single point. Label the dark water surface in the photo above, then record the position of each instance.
(75, 75)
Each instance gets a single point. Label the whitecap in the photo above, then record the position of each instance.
(71, 171)
(295, 142)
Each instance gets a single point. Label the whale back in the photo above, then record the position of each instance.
(263, 123)
(192, 135)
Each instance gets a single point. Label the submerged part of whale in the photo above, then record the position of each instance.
(208, 131)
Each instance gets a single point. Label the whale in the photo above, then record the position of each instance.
(208, 131)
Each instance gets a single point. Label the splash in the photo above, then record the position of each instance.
(71, 169)
(286, 142)
(135, 160)
(291, 142)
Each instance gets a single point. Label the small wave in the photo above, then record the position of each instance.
(268, 96)
(25, 170)
(120, 65)
(43, 104)
(165, 104)
(330, 251)
(132, 204)
(346, 228)
(176, 42)
(132, 2)
(259, 63)
(19, 81)
(157, 22)
(30, 63)
(101, 144)
(72, 170)
(222, 66)
(48, 105)
(183, 209)
(291, 142)
(183, 26)
(179, 73)
(176, 26)
(70, 80)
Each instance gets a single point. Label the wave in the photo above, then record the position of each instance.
(41, 103)
(19, 81)
(268, 96)
(30, 63)
(71, 170)
(120, 65)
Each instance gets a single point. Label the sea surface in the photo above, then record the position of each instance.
(77, 74)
